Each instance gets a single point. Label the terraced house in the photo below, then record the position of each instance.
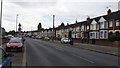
(93, 29)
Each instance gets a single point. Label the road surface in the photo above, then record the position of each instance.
(44, 53)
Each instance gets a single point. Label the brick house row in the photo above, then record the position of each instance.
(98, 28)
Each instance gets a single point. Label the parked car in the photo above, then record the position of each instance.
(15, 44)
(65, 40)
(5, 61)
(46, 38)
(9, 36)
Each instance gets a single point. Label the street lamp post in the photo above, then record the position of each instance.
(16, 21)
(53, 27)
(1, 16)
(1, 23)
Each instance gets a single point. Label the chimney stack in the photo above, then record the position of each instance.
(88, 18)
(109, 11)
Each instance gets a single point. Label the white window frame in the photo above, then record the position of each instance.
(104, 34)
(110, 23)
(82, 28)
(101, 25)
(106, 23)
(87, 27)
(94, 26)
(117, 23)
(77, 28)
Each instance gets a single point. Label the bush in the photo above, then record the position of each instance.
(114, 37)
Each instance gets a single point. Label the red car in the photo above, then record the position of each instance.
(15, 44)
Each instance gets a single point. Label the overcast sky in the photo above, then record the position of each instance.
(31, 12)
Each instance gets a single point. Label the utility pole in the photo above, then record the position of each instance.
(16, 21)
(53, 27)
(1, 14)
(53, 20)
(1, 23)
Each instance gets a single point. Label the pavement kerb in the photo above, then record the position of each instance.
(98, 51)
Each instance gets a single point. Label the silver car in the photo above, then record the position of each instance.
(65, 40)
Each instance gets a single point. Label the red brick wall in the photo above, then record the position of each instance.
(104, 42)
(101, 42)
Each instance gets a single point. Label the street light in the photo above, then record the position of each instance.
(1, 14)
(16, 21)
(53, 27)
(1, 23)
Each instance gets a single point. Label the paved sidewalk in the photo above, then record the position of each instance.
(97, 48)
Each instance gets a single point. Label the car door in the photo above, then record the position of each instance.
(6, 62)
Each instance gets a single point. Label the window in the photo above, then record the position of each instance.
(117, 23)
(106, 24)
(101, 25)
(93, 35)
(97, 35)
(77, 35)
(82, 28)
(87, 27)
(73, 35)
(77, 29)
(105, 34)
(110, 24)
(101, 34)
(94, 26)
(97, 26)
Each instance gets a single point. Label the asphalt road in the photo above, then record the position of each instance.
(44, 53)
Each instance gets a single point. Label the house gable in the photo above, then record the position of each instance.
(102, 20)
(94, 22)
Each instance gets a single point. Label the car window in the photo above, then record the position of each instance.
(15, 41)
(65, 38)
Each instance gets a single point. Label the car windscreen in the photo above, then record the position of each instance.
(15, 41)
(65, 38)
